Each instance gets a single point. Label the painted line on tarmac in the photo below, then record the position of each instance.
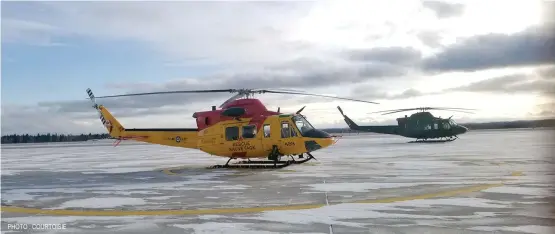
(68, 212)
(517, 173)
(448, 193)
(169, 171)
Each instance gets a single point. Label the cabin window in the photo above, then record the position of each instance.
(266, 130)
(249, 131)
(285, 130)
(446, 125)
(232, 133)
(436, 126)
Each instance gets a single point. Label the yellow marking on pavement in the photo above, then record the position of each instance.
(71, 212)
(227, 210)
(169, 172)
(67, 212)
(447, 193)
(517, 173)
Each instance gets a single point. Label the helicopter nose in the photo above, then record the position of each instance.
(320, 142)
(462, 129)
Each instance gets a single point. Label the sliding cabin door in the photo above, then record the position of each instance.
(241, 140)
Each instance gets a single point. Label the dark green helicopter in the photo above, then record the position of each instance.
(421, 125)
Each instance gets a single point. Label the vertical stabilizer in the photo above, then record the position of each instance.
(348, 120)
(110, 123)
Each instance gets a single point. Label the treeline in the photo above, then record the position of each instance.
(26, 138)
(544, 123)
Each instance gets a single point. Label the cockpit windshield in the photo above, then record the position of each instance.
(302, 124)
(452, 122)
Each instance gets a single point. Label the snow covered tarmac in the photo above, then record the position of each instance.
(486, 181)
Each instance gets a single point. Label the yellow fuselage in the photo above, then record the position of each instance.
(232, 138)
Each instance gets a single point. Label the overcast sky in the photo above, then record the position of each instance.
(495, 56)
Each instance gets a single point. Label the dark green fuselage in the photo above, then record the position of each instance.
(421, 125)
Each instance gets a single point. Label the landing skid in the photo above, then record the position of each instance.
(441, 140)
(263, 164)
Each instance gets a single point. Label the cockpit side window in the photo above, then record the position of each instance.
(302, 124)
(447, 125)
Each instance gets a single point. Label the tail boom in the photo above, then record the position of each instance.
(178, 137)
(349, 121)
(390, 129)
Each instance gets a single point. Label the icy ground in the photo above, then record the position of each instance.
(96, 176)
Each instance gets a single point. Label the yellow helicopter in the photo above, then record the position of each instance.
(242, 129)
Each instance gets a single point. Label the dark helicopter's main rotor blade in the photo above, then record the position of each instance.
(172, 92)
(468, 112)
(387, 112)
(464, 110)
(450, 108)
(395, 110)
(316, 95)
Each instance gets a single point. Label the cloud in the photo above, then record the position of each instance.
(232, 33)
(262, 45)
(29, 32)
(443, 9)
(547, 73)
(391, 55)
(546, 110)
(538, 82)
(534, 46)
(541, 81)
(548, 11)
(430, 38)
(369, 92)
(303, 73)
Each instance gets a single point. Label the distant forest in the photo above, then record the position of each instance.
(26, 138)
(489, 125)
